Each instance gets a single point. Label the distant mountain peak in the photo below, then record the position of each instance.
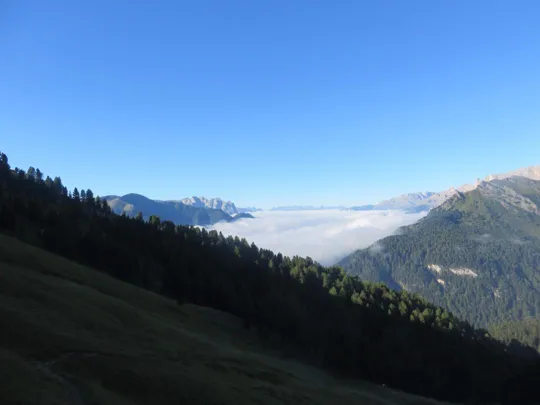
(531, 172)
(424, 201)
(216, 203)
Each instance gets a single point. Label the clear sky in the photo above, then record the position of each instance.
(270, 102)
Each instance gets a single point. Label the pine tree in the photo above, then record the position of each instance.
(31, 173)
(49, 182)
(89, 197)
(39, 175)
(58, 184)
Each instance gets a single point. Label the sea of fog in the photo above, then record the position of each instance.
(325, 235)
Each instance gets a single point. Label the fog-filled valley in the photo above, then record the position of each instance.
(274, 203)
(324, 235)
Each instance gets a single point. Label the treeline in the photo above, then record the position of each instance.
(332, 319)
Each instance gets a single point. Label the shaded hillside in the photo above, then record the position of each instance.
(72, 335)
(477, 255)
(327, 318)
(175, 211)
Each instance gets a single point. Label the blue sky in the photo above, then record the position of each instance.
(270, 102)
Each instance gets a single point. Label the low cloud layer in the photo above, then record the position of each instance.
(326, 236)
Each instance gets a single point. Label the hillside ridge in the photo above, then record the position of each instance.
(492, 230)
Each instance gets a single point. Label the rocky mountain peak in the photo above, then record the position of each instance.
(215, 203)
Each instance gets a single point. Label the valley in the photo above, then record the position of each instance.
(246, 202)
(321, 316)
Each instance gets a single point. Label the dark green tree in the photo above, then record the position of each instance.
(31, 173)
(90, 197)
(39, 175)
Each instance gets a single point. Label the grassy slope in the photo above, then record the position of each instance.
(70, 334)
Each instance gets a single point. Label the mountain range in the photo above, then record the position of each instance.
(213, 203)
(410, 203)
(198, 213)
(218, 204)
(53, 319)
(476, 254)
(425, 201)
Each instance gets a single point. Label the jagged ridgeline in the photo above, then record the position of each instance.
(185, 212)
(331, 319)
(477, 255)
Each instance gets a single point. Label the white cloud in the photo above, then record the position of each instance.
(376, 248)
(326, 235)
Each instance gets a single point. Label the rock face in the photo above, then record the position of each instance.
(532, 172)
(505, 192)
(214, 203)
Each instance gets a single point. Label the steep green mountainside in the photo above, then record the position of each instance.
(478, 255)
(526, 331)
(175, 211)
(322, 315)
(72, 335)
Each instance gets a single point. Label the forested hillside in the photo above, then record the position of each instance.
(332, 319)
(71, 335)
(526, 331)
(478, 255)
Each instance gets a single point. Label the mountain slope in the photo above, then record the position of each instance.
(526, 331)
(531, 172)
(326, 317)
(417, 202)
(478, 254)
(177, 212)
(72, 335)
